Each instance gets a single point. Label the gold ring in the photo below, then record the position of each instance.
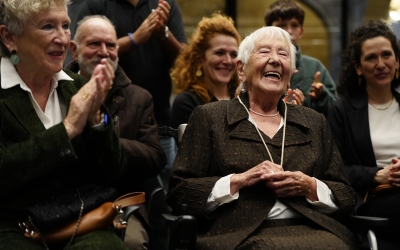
(107, 90)
(84, 96)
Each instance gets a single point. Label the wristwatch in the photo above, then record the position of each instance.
(166, 33)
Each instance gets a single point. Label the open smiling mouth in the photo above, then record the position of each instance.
(273, 74)
(56, 53)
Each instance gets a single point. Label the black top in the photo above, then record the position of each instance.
(146, 65)
(185, 102)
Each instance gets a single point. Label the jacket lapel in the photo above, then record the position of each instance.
(359, 115)
(67, 89)
(239, 125)
(19, 104)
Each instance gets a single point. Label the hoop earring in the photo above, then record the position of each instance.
(397, 74)
(14, 57)
(198, 71)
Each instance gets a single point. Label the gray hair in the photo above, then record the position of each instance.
(79, 24)
(246, 47)
(15, 14)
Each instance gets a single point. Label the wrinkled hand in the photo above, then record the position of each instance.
(316, 87)
(288, 184)
(252, 176)
(297, 95)
(146, 29)
(102, 78)
(85, 105)
(162, 12)
(394, 173)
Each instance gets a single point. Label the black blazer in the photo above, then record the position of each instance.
(348, 119)
(34, 160)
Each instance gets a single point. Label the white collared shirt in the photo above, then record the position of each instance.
(52, 114)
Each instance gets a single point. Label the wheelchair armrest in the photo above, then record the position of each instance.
(182, 231)
(361, 224)
(128, 212)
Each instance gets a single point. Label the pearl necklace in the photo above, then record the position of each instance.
(390, 104)
(263, 114)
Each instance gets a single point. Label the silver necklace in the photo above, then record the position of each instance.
(263, 114)
(262, 139)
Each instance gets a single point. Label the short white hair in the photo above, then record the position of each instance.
(16, 13)
(246, 47)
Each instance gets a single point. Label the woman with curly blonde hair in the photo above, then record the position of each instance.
(205, 71)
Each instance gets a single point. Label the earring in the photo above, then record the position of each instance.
(286, 94)
(243, 88)
(14, 57)
(397, 74)
(198, 71)
(359, 80)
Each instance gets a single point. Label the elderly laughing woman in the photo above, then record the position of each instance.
(53, 134)
(260, 173)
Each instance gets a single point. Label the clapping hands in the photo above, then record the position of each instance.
(85, 105)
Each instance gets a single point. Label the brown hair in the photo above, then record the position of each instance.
(284, 10)
(184, 71)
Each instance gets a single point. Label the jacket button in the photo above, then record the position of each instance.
(67, 151)
(61, 154)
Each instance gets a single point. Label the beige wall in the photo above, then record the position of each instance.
(250, 16)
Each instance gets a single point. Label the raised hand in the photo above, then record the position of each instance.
(85, 105)
(297, 97)
(102, 78)
(162, 12)
(146, 29)
(316, 87)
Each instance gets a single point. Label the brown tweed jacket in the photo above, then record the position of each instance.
(219, 140)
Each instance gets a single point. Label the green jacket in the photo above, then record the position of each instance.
(35, 160)
(307, 67)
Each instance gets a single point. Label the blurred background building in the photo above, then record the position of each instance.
(327, 25)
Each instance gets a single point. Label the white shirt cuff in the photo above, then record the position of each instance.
(221, 193)
(325, 203)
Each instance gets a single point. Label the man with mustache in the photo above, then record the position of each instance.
(131, 108)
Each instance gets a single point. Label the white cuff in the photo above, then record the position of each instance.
(325, 203)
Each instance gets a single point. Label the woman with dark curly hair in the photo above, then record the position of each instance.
(205, 71)
(364, 121)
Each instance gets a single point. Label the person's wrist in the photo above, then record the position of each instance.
(133, 41)
(165, 35)
(70, 129)
(235, 183)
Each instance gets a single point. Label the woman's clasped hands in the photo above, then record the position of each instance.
(282, 183)
(390, 174)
